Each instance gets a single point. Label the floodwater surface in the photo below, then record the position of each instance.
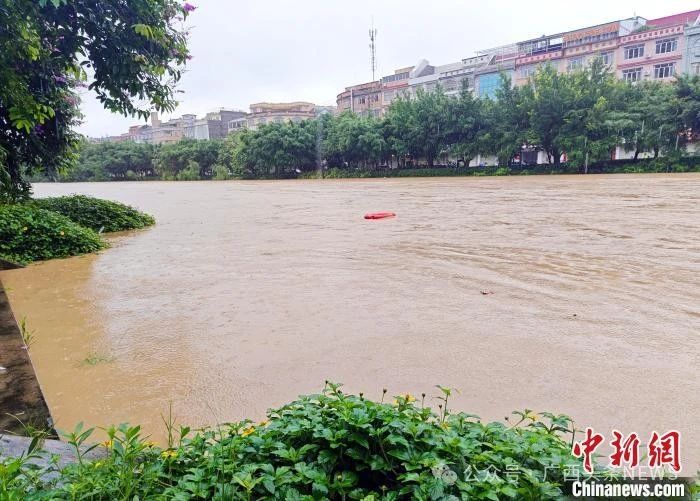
(246, 294)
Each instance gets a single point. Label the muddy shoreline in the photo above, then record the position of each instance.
(21, 400)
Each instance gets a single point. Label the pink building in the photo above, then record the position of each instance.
(654, 52)
(574, 49)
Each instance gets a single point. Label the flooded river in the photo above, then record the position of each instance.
(246, 294)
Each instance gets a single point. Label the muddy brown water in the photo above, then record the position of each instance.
(246, 294)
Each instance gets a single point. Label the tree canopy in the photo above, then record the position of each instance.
(130, 54)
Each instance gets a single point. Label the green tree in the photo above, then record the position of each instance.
(506, 122)
(170, 159)
(132, 51)
(421, 125)
(650, 107)
(687, 93)
(548, 98)
(273, 150)
(588, 134)
(354, 140)
(468, 121)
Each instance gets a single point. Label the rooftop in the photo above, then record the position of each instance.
(683, 18)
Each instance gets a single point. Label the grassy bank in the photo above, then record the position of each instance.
(327, 446)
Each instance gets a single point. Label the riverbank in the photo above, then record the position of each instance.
(645, 166)
(629, 166)
(22, 404)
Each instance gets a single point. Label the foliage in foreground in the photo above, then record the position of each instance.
(326, 446)
(29, 233)
(135, 52)
(96, 213)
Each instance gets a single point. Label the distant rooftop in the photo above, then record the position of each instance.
(684, 18)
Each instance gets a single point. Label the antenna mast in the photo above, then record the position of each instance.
(373, 49)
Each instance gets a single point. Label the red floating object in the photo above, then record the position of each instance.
(379, 215)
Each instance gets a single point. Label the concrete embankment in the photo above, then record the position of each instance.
(12, 447)
(22, 403)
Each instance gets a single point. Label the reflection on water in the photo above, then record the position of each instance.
(246, 294)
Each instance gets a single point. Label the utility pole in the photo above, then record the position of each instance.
(373, 49)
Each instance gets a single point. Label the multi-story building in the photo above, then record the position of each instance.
(487, 78)
(364, 99)
(452, 76)
(395, 85)
(214, 125)
(691, 57)
(656, 50)
(634, 49)
(263, 113)
(159, 132)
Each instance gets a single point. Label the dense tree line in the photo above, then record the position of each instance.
(584, 115)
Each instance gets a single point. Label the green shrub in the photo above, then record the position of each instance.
(95, 213)
(29, 233)
(221, 172)
(327, 446)
(189, 173)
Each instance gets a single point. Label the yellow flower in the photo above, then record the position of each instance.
(150, 444)
(169, 454)
(248, 431)
(408, 397)
(264, 422)
(108, 444)
(531, 415)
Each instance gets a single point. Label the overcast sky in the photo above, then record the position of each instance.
(245, 51)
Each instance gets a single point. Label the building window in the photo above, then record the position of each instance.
(632, 75)
(666, 45)
(607, 58)
(575, 63)
(634, 51)
(696, 69)
(488, 84)
(528, 71)
(664, 70)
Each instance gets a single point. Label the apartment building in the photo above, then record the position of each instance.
(451, 77)
(264, 113)
(487, 78)
(159, 132)
(214, 125)
(364, 99)
(396, 85)
(655, 52)
(691, 57)
(635, 49)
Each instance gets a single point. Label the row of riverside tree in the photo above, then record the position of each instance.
(584, 114)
